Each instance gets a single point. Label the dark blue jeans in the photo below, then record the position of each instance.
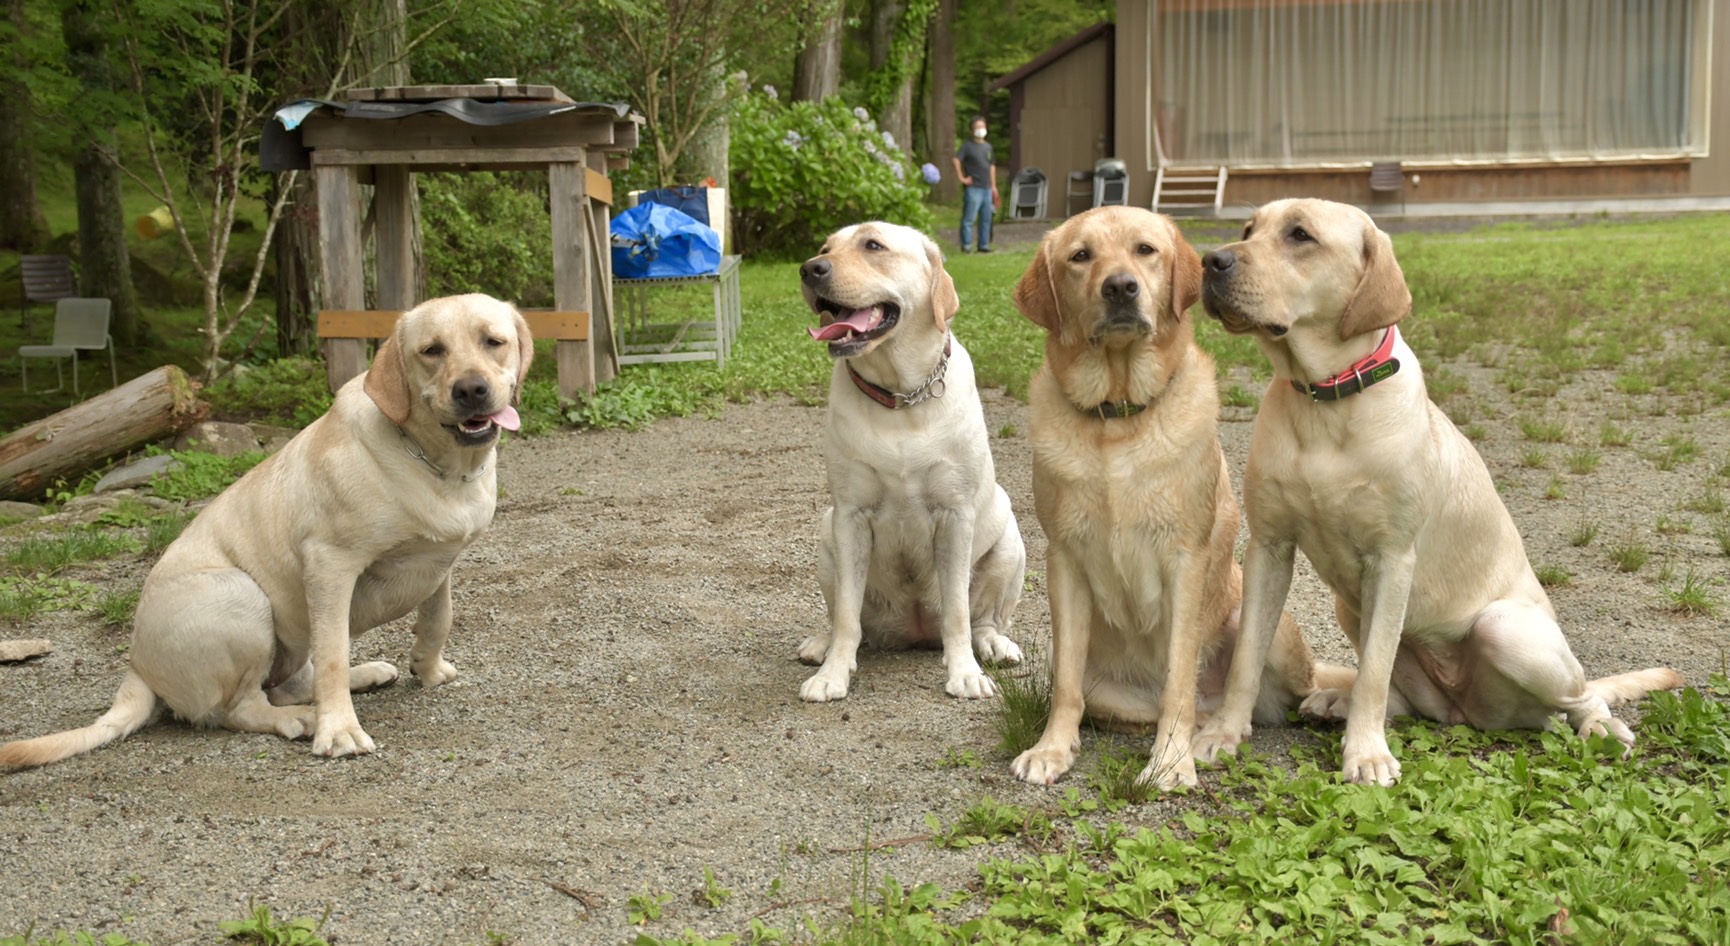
(976, 202)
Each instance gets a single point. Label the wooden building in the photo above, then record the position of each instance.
(1062, 108)
(1507, 107)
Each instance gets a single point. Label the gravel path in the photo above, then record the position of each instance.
(627, 714)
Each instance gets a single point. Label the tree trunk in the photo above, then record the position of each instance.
(68, 444)
(706, 155)
(297, 290)
(105, 267)
(22, 226)
(940, 112)
(817, 70)
(897, 112)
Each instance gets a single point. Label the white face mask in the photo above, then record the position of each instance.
(978, 132)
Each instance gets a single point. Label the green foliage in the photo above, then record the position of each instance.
(202, 475)
(63, 938)
(24, 598)
(262, 929)
(646, 906)
(288, 392)
(488, 232)
(804, 169)
(712, 893)
(903, 56)
(49, 553)
(987, 821)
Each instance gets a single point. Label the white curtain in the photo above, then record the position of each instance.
(1307, 83)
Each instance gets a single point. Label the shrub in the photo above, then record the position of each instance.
(802, 170)
(291, 392)
(488, 232)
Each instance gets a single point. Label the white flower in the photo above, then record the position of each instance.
(861, 114)
(793, 139)
(769, 90)
(888, 140)
(870, 147)
(900, 173)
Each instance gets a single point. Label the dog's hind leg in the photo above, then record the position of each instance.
(995, 590)
(1520, 643)
(204, 641)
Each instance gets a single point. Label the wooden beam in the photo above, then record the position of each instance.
(566, 195)
(378, 323)
(599, 187)
(393, 206)
(458, 158)
(431, 132)
(339, 253)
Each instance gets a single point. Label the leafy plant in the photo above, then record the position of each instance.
(1693, 596)
(1553, 576)
(987, 821)
(802, 170)
(1630, 554)
(1583, 461)
(47, 554)
(1583, 532)
(289, 392)
(265, 930)
(202, 475)
(488, 232)
(711, 893)
(645, 907)
(1546, 430)
(1023, 707)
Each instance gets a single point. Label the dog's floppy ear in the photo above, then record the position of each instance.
(1381, 297)
(1185, 273)
(525, 352)
(387, 378)
(944, 302)
(1035, 295)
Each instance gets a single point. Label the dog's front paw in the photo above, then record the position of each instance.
(823, 687)
(1220, 737)
(1327, 704)
(1043, 765)
(371, 676)
(435, 672)
(1610, 726)
(340, 738)
(1369, 762)
(813, 649)
(970, 685)
(994, 648)
(1168, 770)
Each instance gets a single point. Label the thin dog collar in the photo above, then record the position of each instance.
(413, 449)
(1378, 365)
(1106, 410)
(932, 387)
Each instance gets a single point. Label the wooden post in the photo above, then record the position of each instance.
(601, 249)
(393, 213)
(340, 257)
(572, 275)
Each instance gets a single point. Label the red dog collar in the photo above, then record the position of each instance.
(1378, 365)
(894, 400)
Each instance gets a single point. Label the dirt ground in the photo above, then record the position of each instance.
(627, 715)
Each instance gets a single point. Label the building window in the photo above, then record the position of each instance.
(1313, 83)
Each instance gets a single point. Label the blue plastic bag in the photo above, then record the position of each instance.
(687, 199)
(653, 240)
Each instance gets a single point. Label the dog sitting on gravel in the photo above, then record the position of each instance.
(920, 546)
(354, 523)
(1352, 462)
(1131, 487)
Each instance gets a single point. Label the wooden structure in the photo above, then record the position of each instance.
(1061, 108)
(575, 143)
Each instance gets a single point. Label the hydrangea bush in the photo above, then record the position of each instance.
(803, 170)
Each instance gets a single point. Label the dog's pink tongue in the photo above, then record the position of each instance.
(860, 321)
(507, 418)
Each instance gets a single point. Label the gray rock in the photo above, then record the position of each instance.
(222, 439)
(273, 438)
(135, 474)
(10, 510)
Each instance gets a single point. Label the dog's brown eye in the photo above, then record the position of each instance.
(1080, 256)
(1247, 230)
(433, 351)
(1300, 235)
(1146, 249)
(873, 245)
(495, 342)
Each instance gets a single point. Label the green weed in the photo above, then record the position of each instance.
(711, 893)
(1630, 554)
(1534, 459)
(1023, 707)
(1668, 526)
(265, 930)
(1583, 532)
(987, 821)
(1555, 489)
(47, 554)
(1693, 597)
(202, 475)
(1553, 576)
(1546, 430)
(1610, 435)
(117, 607)
(645, 907)
(1584, 461)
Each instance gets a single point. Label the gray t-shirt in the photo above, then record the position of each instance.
(976, 157)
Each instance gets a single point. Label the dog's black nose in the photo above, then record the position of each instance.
(470, 392)
(1120, 287)
(1219, 260)
(815, 269)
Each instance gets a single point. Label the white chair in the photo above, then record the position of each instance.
(79, 324)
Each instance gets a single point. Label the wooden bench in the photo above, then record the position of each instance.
(346, 332)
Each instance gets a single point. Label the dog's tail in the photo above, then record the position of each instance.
(1333, 677)
(1627, 687)
(133, 704)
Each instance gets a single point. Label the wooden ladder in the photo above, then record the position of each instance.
(1188, 188)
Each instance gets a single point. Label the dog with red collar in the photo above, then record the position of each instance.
(920, 546)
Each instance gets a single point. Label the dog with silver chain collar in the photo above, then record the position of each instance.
(920, 546)
(245, 621)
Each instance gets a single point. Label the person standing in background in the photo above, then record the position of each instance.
(976, 167)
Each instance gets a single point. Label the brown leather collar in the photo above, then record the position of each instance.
(933, 386)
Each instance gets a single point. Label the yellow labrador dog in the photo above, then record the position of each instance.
(1351, 462)
(1131, 488)
(354, 523)
(920, 546)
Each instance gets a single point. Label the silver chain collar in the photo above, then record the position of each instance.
(414, 450)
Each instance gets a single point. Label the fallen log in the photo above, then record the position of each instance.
(77, 439)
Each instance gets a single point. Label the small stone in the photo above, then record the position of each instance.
(17, 650)
(222, 439)
(136, 474)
